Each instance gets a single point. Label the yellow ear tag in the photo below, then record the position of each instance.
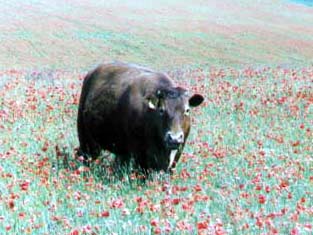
(151, 105)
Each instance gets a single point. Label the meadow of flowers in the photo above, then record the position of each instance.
(247, 167)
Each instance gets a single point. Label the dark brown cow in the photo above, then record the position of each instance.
(134, 112)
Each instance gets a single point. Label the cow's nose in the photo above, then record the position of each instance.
(174, 139)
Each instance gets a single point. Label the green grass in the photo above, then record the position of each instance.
(235, 154)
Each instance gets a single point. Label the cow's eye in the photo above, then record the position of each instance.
(187, 111)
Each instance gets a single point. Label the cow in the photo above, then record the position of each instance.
(135, 113)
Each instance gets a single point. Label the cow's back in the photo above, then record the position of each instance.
(113, 79)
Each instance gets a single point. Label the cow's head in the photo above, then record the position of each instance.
(170, 111)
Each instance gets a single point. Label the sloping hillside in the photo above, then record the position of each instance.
(78, 34)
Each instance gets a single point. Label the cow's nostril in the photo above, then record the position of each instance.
(168, 136)
(175, 137)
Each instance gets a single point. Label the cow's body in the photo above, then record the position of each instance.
(120, 111)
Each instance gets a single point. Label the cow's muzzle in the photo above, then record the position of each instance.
(174, 140)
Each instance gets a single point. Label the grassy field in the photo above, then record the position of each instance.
(79, 34)
(247, 167)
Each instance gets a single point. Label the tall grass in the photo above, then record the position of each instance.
(247, 167)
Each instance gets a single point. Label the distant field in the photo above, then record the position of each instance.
(247, 167)
(80, 34)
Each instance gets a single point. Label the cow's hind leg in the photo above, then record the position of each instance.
(89, 151)
(88, 147)
(122, 164)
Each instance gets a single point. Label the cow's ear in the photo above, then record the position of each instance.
(195, 100)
